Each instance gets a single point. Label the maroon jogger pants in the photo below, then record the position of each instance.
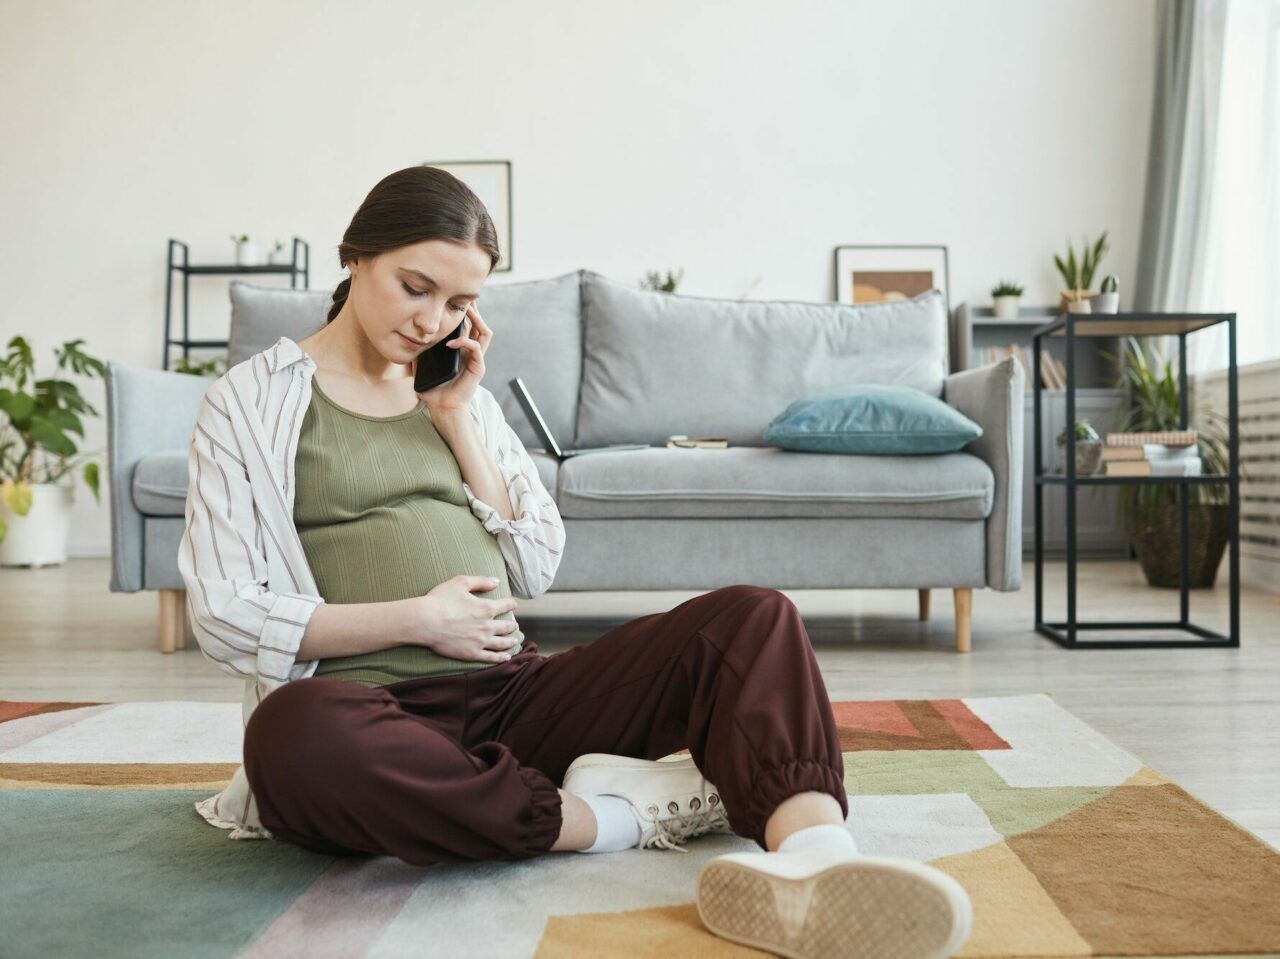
(466, 767)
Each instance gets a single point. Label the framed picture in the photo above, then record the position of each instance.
(868, 274)
(490, 180)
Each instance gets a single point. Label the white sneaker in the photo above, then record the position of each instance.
(819, 904)
(671, 799)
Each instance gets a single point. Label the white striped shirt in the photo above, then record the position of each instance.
(250, 592)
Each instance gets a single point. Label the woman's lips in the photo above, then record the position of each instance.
(414, 343)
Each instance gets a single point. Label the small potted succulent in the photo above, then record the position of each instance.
(1108, 301)
(1004, 298)
(1077, 273)
(37, 454)
(276, 251)
(1088, 447)
(654, 281)
(246, 250)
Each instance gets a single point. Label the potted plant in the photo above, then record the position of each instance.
(654, 281)
(1108, 301)
(275, 251)
(1077, 273)
(36, 453)
(1150, 511)
(1004, 298)
(1088, 447)
(246, 250)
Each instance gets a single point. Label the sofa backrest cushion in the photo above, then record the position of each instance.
(537, 335)
(655, 363)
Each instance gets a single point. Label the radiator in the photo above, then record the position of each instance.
(1258, 398)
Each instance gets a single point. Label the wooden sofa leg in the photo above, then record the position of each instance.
(964, 619)
(173, 615)
(924, 604)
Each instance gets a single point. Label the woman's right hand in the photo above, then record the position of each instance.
(453, 622)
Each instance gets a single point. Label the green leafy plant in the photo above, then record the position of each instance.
(39, 414)
(1110, 284)
(242, 238)
(1077, 273)
(214, 366)
(1085, 433)
(1006, 288)
(1150, 381)
(654, 281)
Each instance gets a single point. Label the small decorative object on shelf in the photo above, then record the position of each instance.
(1157, 486)
(246, 250)
(179, 261)
(1088, 447)
(654, 281)
(1004, 299)
(1108, 301)
(274, 253)
(1077, 273)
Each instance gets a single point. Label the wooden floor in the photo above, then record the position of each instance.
(1207, 718)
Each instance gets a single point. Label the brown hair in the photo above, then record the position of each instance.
(411, 205)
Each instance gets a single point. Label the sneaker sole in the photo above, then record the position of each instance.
(865, 908)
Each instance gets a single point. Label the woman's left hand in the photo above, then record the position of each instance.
(456, 395)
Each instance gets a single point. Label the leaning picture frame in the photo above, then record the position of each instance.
(490, 180)
(874, 273)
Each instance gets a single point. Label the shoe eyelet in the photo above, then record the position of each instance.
(695, 803)
(712, 799)
(673, 806)
(651, 808)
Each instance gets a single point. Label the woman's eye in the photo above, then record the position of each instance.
(411, 291)
(460, 309)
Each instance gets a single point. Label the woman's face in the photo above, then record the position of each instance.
(409, 298)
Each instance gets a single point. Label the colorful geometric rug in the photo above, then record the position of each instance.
(1067, 844)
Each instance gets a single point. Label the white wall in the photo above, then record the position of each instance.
(736, 140)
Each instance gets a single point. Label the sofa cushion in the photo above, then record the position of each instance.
(767, 482)
(160, 484)
(160, 480)
(872, 419)
(655, 364)
(537, 335)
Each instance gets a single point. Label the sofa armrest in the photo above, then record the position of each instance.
(992, 396)
(148, 411)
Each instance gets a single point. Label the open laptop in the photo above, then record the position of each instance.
(548, 441)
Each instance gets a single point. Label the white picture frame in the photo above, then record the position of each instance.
(873, 273)
(490, 180)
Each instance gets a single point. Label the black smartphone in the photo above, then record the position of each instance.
(437, 364)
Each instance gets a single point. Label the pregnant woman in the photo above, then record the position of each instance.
(352, 551)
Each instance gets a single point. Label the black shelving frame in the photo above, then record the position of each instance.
(299, 266)
(1070, 326)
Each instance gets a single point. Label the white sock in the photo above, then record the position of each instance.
(616, 825)
(824, 836)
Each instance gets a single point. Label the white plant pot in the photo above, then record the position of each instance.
(247, 254)
(1105, 302)
(1006, 307)
(40, 537)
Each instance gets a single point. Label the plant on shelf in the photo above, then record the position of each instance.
(246, 250)
(1004, 298)
(1077, 272)
(654, 281)
(1107, 301)
(214, 366)
(36, 452)
(1088, 447)
(1150, 511)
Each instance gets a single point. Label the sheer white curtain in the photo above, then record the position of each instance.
(1211, 234)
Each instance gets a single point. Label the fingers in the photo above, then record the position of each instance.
(501, 606)
(472, 583)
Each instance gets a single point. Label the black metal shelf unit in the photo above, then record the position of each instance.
(299, 266)
(1073, 325)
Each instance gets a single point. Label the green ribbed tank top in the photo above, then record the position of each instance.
(382, 515)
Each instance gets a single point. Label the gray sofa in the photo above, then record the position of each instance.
(608, 363)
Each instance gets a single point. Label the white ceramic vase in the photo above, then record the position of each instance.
(1105, 302)
(1006, 307)
(247, 254)
(40, 537)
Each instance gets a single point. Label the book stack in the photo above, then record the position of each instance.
(697, 442)
(1169, 453)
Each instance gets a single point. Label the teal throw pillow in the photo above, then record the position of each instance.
(871, 419)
